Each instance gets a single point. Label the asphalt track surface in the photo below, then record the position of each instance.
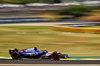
(10, 61)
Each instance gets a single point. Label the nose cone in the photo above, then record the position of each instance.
(67, 56)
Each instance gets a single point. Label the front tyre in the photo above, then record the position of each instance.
(55, 56)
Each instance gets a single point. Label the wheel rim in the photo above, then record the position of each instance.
(14, 55)
(55, 56)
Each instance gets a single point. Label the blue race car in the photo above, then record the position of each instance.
(34, 53)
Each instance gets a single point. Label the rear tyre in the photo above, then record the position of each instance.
(14, 55)
(55, 56)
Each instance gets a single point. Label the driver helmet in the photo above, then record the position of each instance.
(35, 48)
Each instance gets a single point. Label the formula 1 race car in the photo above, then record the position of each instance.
(37, 54)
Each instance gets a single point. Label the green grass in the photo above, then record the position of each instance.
(45, 37)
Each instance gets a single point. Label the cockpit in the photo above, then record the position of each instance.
(30, 49)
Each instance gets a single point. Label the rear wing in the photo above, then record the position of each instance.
(13, 50)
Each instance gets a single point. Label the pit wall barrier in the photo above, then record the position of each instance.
(38, 19)
(12, 20)
(75, 29)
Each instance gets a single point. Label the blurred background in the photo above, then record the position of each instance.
(53, 10)
(31, 23)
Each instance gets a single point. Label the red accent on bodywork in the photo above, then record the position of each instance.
(46, 57)
(21, 51)
(49, 53)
